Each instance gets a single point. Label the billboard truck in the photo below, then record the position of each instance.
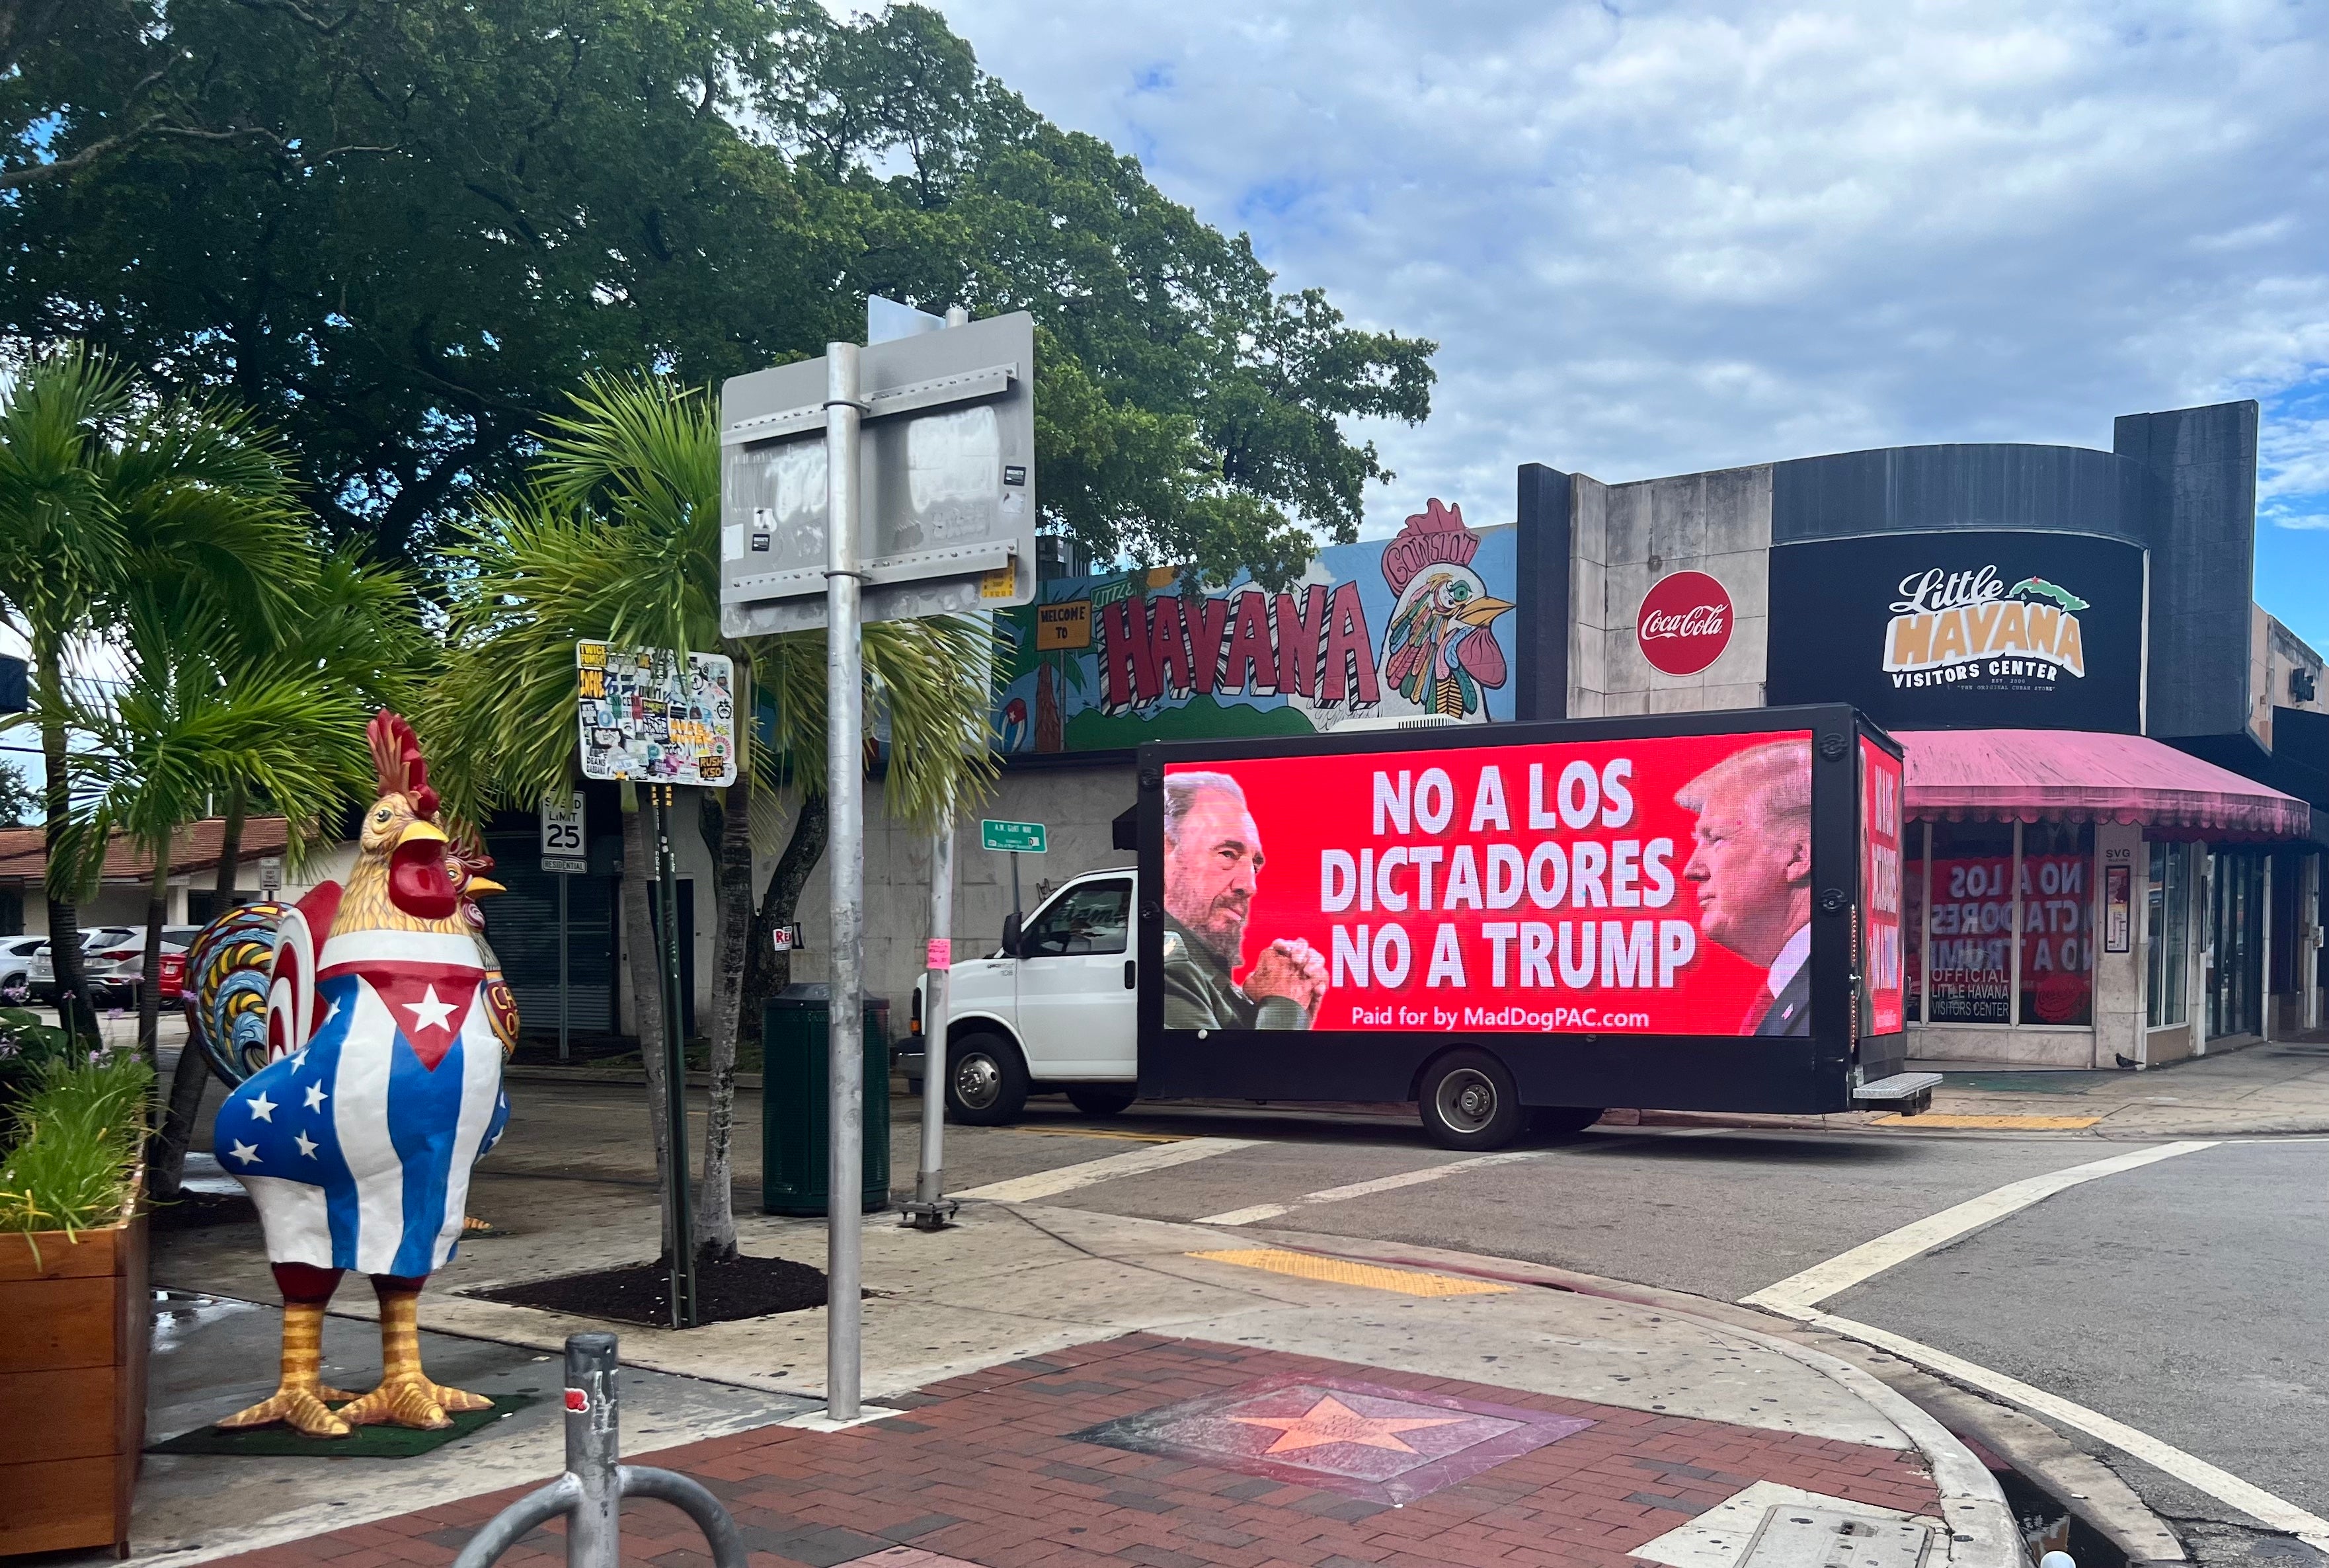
(1513, 927)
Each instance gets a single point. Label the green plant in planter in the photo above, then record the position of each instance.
(76, 1138)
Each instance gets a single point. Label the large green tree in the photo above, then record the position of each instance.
(402, 229)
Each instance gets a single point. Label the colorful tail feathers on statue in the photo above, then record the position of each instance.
(227, 969)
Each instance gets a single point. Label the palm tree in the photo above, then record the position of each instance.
(352, 645)
(619, 539)
(188, 723)
(103, 489)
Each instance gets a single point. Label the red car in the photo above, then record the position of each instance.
(173, 977)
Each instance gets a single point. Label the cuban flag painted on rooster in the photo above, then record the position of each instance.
(384, 1088)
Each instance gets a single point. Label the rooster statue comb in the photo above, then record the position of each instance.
(383, 1087)
(397, 762)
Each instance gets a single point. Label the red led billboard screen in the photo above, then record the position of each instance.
(1658, 885)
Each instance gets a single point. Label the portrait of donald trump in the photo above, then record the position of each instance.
(1750, 866)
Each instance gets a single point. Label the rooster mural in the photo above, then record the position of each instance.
(385, 1035)
(1439, 649)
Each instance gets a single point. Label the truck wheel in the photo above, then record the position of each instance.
(1468, 1101)
(1101, 1099)
(1561, 1120)
(985, 1084)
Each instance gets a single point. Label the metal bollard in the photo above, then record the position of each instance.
(594, 1486)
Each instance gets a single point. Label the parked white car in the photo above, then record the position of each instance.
(113, 961)
(1054, 1014)
(17, 955)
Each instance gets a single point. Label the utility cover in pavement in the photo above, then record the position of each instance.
(1386, 1445)
(1793, 1536)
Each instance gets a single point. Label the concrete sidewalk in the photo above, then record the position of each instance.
(1084, 1388)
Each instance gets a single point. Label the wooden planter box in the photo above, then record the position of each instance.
(72, 1385)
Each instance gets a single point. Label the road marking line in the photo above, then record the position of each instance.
(2273, 1512)
(1344, 1271)
(1067, 1178)
(1095, 1132)
(1870, 1259)
(2021, 1123)
(1261, 1212)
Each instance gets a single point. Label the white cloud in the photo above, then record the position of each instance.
(1659, 238)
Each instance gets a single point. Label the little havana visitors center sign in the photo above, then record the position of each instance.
(1963, 628)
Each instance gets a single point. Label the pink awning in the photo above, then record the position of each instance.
(2070, 775)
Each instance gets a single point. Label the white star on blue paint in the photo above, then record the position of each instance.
(263, 1108)
(247, 1153)
(306, 1145)
(315, 1097)
(330, 1012)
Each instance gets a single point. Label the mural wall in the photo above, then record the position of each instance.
(1414, 625)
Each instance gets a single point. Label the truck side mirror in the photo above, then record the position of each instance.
(1010, 935)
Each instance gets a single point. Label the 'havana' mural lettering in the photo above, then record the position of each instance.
(1414, 626)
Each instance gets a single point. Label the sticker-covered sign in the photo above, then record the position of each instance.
(650, 716)
(1660, 885)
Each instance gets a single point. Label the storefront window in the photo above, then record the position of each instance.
(1912, 920)
(2167, 921)
(2236, 986)
(2057, 922)
(1972, 947)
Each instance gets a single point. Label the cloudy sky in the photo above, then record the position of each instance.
(1657, 238)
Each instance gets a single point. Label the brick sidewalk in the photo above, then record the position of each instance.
(1181, 1454)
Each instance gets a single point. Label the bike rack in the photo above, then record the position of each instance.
(592, 1489)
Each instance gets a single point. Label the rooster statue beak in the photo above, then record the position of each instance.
(1482, 610)
(480, 885)
(416, 883)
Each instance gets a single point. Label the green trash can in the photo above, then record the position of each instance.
(795, 1149)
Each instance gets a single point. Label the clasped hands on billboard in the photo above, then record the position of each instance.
(1650, 886)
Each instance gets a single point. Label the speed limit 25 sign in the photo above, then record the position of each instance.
(563, 844)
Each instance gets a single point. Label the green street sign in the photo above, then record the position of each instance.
(1026, 837)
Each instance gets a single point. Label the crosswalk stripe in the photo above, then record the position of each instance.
(1261, 1212)
(1067, 1178)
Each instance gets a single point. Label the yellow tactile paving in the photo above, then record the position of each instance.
(1343, 1271)
(2002, 1123)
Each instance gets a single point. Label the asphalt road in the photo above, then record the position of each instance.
(2185, 1299)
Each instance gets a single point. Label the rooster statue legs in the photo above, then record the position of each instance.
(300, 1400)
(356, 1139)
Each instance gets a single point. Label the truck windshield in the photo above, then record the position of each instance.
(1090, 919)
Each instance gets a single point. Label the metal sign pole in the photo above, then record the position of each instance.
(931, 1208)
(562, 1005)
(683, 1313)
(845, 770)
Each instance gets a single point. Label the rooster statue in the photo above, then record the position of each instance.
(383, 1089)
(1440, 650)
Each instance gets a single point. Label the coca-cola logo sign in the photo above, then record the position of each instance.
(1686, 622)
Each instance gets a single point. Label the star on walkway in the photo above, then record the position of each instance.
(1330, 1420)
(315, 1097)
(263, 1108)
(247, 1153)
(428, 1013)
(306, 1145)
